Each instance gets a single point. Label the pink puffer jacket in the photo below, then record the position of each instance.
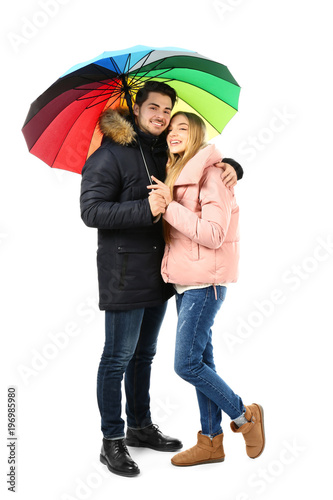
(204, 232)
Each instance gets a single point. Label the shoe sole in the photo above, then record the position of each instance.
(262, 430)
(138, 444)
(115, 471)
(214, 461)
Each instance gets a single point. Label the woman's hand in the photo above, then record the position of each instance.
(160, 189)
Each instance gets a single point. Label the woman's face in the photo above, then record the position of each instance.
(177, 137)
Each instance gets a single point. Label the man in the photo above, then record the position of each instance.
(114, 199)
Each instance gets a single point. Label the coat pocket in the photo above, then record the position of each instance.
(138, 263)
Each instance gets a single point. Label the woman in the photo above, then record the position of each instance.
(201, 257)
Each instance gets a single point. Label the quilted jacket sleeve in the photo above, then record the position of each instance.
(100, 191)
(210, 228)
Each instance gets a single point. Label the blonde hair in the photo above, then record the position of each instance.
(176, 162)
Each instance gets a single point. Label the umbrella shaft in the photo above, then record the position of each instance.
(130, 107)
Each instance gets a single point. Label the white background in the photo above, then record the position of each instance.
(272, 338)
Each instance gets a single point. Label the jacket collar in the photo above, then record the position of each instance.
(194, 168)
(152, 141)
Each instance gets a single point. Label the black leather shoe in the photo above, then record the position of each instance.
(152, 437)
(114, 454)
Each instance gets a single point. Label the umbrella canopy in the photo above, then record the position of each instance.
(61, 127)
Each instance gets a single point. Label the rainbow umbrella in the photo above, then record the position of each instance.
(61, 127)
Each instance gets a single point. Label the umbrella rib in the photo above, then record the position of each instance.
(102, 82)
(151, 69)
(105, 91)
(200, 114)
(97, 89)
(104, 100)
(128, 62)
(113, 90)
(115, 93)
(115, 65)
(101, 92)
(100, 70)
(144, 62)
(156, 76)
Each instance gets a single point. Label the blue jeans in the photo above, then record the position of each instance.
(130, 346)
(194, 361)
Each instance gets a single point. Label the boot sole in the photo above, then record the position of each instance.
(138, 444)
(115, 471)
(213, 461)
(262, 429)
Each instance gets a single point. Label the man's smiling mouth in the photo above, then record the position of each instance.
(157, 124)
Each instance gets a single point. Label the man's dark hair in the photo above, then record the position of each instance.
(154, 86)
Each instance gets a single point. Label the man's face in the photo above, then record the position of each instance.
(153, 116)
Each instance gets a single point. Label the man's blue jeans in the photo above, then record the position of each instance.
(130, 346)
(194, 361)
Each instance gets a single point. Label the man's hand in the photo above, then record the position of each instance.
(228, 175)
(157, 204)
(161, 189)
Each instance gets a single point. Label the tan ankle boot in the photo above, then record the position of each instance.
(205, 451)
(253, 432)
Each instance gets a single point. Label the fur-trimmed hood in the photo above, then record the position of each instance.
(115, 124)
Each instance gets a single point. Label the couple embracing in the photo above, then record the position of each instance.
(177, 236)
